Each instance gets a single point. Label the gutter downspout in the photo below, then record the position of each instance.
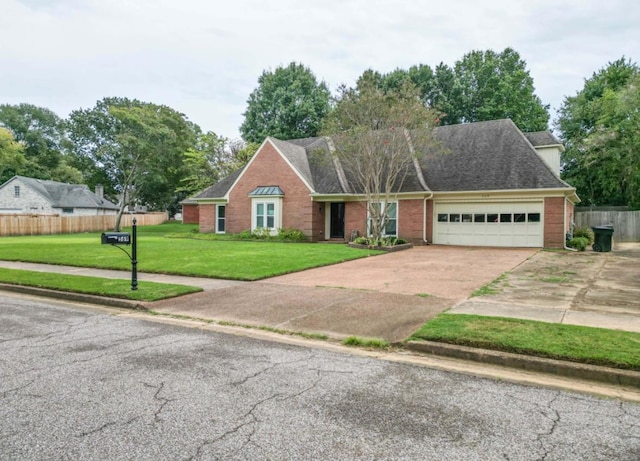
(424, 219)
(564, 220)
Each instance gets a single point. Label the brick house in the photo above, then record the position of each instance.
(190, 213)
(22, 195)
(493, 186)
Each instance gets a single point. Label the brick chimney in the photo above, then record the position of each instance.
(100, 190)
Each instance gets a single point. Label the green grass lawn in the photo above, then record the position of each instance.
(114, 288)
(619, 349)
(168, 249)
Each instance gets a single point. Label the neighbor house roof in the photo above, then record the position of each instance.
(492, 155)
(63, 195)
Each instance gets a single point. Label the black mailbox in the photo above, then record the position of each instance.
(116, 238)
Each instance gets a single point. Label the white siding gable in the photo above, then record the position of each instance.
(29, 200)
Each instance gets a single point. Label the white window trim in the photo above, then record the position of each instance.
(390, 202)
(218, 231)
(277, 211)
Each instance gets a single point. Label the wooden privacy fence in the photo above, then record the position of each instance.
(626, 224)
(54, 224)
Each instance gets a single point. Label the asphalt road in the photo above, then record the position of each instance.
(77, 384)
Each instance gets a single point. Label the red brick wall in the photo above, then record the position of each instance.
(410, 220)
(270, 169)
(207, 217)
(410, 217)
(570, 217)
(355, 218)
(317, 220)
(554, 227)
(190, 214)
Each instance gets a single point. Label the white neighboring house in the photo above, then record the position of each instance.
(22, 195)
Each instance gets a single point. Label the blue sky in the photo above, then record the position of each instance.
(204, 58)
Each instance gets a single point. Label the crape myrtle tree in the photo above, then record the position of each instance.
(288, 103)
(136, 148)
(378, 137)
(600, 128)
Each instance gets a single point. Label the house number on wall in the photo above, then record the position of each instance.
(486, 195)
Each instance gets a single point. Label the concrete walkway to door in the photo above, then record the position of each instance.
(442, 271)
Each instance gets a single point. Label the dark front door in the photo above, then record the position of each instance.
(337, 221)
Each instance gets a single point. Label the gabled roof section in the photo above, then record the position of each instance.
(542, 138)
(296, 154)
(63, 195)
(322, 166)
(492, 155)
(220, 189)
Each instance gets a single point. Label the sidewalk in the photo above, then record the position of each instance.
(204, 283)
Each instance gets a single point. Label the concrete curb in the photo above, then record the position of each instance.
(537, 364)
(75, 297)
(524, 362)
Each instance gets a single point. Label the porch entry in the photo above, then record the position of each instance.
(336, 223)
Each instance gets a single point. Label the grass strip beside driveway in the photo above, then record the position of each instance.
(112, 288)
(596, 346)
(161, 252)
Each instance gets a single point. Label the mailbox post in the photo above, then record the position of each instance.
(134, 256)
(123, 238)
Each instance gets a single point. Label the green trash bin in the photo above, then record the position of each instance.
(602, 237)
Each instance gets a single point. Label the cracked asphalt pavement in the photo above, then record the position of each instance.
(83, 384)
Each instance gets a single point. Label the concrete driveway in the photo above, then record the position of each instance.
(583, 288)
(442, 271)
(446, 272)
(388, 296)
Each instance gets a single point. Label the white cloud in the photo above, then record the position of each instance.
(204, 58)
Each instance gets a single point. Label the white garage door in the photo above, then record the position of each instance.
(503, 224)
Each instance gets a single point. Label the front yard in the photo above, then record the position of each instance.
(168, 249)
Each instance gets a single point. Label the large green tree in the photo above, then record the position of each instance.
(600, 128)
(483, 85)
(378, 138)
(212, 159)
(41, 132)
(12, 158)
(498, 85)
(135, 149)
(288, 103)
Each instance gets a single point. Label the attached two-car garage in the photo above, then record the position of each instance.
(502, 224)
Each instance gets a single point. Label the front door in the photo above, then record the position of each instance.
(337, 221)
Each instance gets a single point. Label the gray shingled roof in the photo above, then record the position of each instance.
(297, 155)
(62, 195)
(220, 189)
(542, 138)
(492, 155)
(321, 165)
